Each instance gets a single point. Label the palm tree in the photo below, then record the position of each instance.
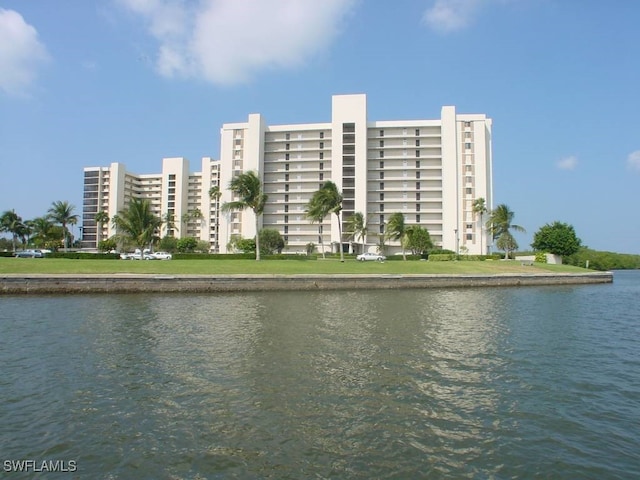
(248, 188)
(137, 223)
(41, 230)
(62, 212)
(396, 230)
(480, 208)
(101, 218)
(316, 213)
(500, 226)
(325, 201)
(11, 222)
(358, 228)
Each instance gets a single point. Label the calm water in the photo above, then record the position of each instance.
(448, 383)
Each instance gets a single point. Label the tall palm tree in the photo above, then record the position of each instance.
(248, 188)
(325, 201)
(62, 212)
(11, 222)
(101, 218)
(500, 226)
(396, 230)
(358, 228)
(480, 208)
(316, 213)
(138, 223)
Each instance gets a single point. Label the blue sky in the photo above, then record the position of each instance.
(90, 83)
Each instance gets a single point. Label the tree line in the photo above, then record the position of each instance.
(139, 226)
(48, 231)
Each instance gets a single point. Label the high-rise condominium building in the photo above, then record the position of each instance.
(431, 171)
(180, 198)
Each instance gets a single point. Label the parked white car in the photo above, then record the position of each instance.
(30, 254)
(363, 257)
(158, 256)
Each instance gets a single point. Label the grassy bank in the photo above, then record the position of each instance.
(276, 267)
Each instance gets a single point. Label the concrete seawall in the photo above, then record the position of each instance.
(130, 283)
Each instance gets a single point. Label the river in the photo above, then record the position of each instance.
(517, 382)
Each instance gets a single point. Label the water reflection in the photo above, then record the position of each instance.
(404, 384)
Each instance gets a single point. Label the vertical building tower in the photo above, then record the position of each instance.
(431, 171)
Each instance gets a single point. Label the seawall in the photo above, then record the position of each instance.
(133, 283)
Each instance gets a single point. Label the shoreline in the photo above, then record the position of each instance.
(16, 284)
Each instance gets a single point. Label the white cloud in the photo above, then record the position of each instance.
(633, 161)
(21, 53)
(567, 163)
(450, 15)
(228, 41)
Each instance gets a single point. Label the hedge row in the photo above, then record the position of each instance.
(84, 255)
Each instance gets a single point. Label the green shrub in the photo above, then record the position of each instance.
(541, 257)
(442, 257)
(84, 255)
(395, 258)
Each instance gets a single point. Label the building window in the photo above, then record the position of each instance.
(467, 145)
(382, 133)
(287, 136)
(467, 124)
(381, 197)
(417, 195)
(286, 198)
(417, 185)
(381, 175)
(286, 156)
(469, 236)
(286, 219)
(321, 145)
(381, 143)
(321, 155)
(381, 185)
(417, 153)
(287, 146)
(286, 177)
(418, 218)
(286, 208)
(468, 191)
(417, 174)
(417, 132)
(381, 153)
(321, 177)
(321, 134)
(418, 142)
(417, 207)
(381, 220)
(469, 226)
(321, 166)
(286, 187)
(286, 167)
(417, 163)
(381, 164)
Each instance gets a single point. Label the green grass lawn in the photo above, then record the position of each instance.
(279, 267)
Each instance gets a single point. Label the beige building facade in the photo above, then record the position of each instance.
(431, 171)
